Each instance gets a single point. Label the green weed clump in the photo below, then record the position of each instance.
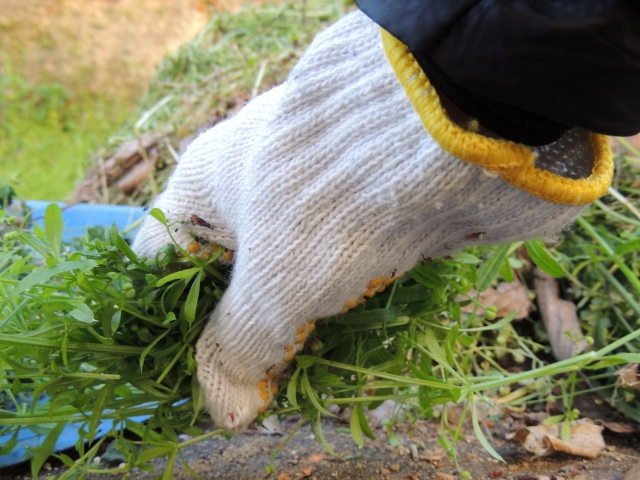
(95, 333)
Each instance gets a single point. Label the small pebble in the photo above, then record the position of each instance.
(96, 459)
(394, 467)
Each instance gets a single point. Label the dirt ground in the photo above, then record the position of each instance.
(110, 47)
(245, 457)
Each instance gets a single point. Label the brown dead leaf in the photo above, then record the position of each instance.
(558, 316)
(620, 427)
(507, 297)
(629, 377)
(307, 472)
(316, 457)
(586, 439)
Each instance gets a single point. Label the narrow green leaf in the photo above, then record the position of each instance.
(102, 397)
(39, 233)
(479, 433)
(63, 348)
(506, 272)
(149, 347)
(356, 431)
(192, 300)
(363, 421)
(552, 420)
(125, 249)
(46, 449)
(329, 378)
(490, 267)
(158, 215)
(168, 472)
(197, 397)
(465, 257)
(154, 452)
(115, 321)
(53, 226)
(616, 360)
(66, 459)
(627, 247)
(432, 344)
(494, 326)
(364, 318)
(188, 273)
(321, 436)
(42, 275)
(565, 431)
(311, 395)
(292, 388)
(542, 259)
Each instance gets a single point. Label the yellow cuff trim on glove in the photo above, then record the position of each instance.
(515, 162)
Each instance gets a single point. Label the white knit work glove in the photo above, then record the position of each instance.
(325, 187)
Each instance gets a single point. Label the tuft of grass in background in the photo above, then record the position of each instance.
(236, 57)
(47, 134)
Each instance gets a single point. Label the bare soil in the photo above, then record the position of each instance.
(245, 457)
(110, 47)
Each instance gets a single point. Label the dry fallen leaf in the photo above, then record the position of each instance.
(620, 427)
(629, 377)
(586, 439)
(558, 316)
(507, 297)
(316, 457)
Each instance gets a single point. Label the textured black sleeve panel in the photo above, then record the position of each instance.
(576, 62)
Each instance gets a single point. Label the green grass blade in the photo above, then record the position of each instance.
(356, 430)
(363, 421)
(292, 388)
(479, 433)
(491, 267)
(311, 395)
(191, 304)
(53, 227)
(321, 436)
(542, 259)
(46, 449)
(182, 274)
